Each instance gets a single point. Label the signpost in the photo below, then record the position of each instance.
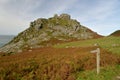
(97, 51)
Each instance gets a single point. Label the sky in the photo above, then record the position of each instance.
(102, 16)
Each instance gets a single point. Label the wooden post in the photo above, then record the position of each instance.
(97, 51)
(98, 60)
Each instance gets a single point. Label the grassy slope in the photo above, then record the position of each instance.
(107, 73)
(116, 33)
(62, 63)
(111, 44)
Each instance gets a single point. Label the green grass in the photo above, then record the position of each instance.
(111, 44)
(107, 73)
(57, 64)
(106, 43)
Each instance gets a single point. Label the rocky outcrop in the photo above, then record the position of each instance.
(42, 31)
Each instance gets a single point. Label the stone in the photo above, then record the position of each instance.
(42, 31)
(55, 16)
(39, 26)
(19, 51)
(96, 44)
(65, 16)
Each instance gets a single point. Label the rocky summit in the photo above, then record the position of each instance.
(46, 32)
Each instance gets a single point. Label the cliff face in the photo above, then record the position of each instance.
(42, 31)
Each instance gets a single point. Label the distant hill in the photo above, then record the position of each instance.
(46, 32)
(116, 33)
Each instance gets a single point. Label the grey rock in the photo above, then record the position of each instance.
(65, 16)
(41, 31)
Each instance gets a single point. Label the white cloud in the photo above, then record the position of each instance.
(97, 16)
(94, 10)
(15, 15)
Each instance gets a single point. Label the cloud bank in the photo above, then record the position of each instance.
(101, 16)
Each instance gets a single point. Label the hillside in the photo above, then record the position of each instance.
(46, 32)
(116, 33)
(65, 61)
(110, 43)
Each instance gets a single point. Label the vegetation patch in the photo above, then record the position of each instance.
(53, 63)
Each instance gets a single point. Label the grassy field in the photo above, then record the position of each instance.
(111, 44)
(107, 73)
(66, 61)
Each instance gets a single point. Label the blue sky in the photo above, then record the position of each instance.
(102, 16)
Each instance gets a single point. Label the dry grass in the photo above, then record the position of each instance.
(51, 63)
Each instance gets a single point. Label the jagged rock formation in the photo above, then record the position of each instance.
(44, 32)
(116, 33)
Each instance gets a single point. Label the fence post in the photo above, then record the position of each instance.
(98, 60)
(97, 51)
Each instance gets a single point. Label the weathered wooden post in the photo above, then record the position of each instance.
(98, 60)
(97, 51)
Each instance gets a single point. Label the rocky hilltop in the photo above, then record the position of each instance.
(46, 32)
